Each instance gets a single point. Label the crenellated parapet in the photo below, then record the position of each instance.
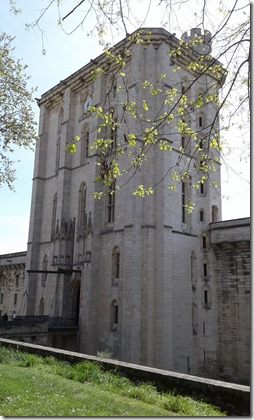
(201, 43)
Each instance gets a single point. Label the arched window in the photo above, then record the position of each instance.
(114, 315)
(58, 142)
(44, 268)
(110, 205)
(204, 241)
(84, 144)
(185, 198)
(201, 215)
(53, 224)
(214, 214)
(58, 147)
(82, 205)
(116, 263)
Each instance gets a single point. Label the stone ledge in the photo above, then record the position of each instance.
(233, 398)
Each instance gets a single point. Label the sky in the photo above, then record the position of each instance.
(64, 55)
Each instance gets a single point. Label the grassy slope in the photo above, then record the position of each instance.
(32, 386)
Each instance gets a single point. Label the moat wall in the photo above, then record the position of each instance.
(233, 398)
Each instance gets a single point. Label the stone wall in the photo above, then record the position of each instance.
(13, 284)
(230, 241)
(233, 398)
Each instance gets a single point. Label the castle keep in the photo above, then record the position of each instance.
(139, 277)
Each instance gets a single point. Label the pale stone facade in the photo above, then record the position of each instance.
(135, 272)
(13, 286)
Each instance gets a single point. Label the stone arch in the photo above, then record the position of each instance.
(74, 303)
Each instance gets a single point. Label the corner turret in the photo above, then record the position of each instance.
(201, 43)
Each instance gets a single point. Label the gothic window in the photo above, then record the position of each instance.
(44, 268)
(53, 224)
(116, 263)
(58, 142)
(82, 205)
(214, 214)
(114, 315)
(84, 144)
(111, 204)
(58, 146)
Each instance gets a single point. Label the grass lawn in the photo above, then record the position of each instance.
(34, 386)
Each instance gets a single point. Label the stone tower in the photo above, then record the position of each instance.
(135, 272)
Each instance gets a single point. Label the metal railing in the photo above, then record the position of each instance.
(53, 322)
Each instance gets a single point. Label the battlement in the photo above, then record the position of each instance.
(204, 47)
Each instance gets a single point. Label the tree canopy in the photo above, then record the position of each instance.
(224, 25)
(17, 124)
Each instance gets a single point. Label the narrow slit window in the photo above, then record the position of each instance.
(205, 269)
(204, 242)
(205, 297)
(111, 204)
(17, 279)
(183, 202)
(201, 215)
